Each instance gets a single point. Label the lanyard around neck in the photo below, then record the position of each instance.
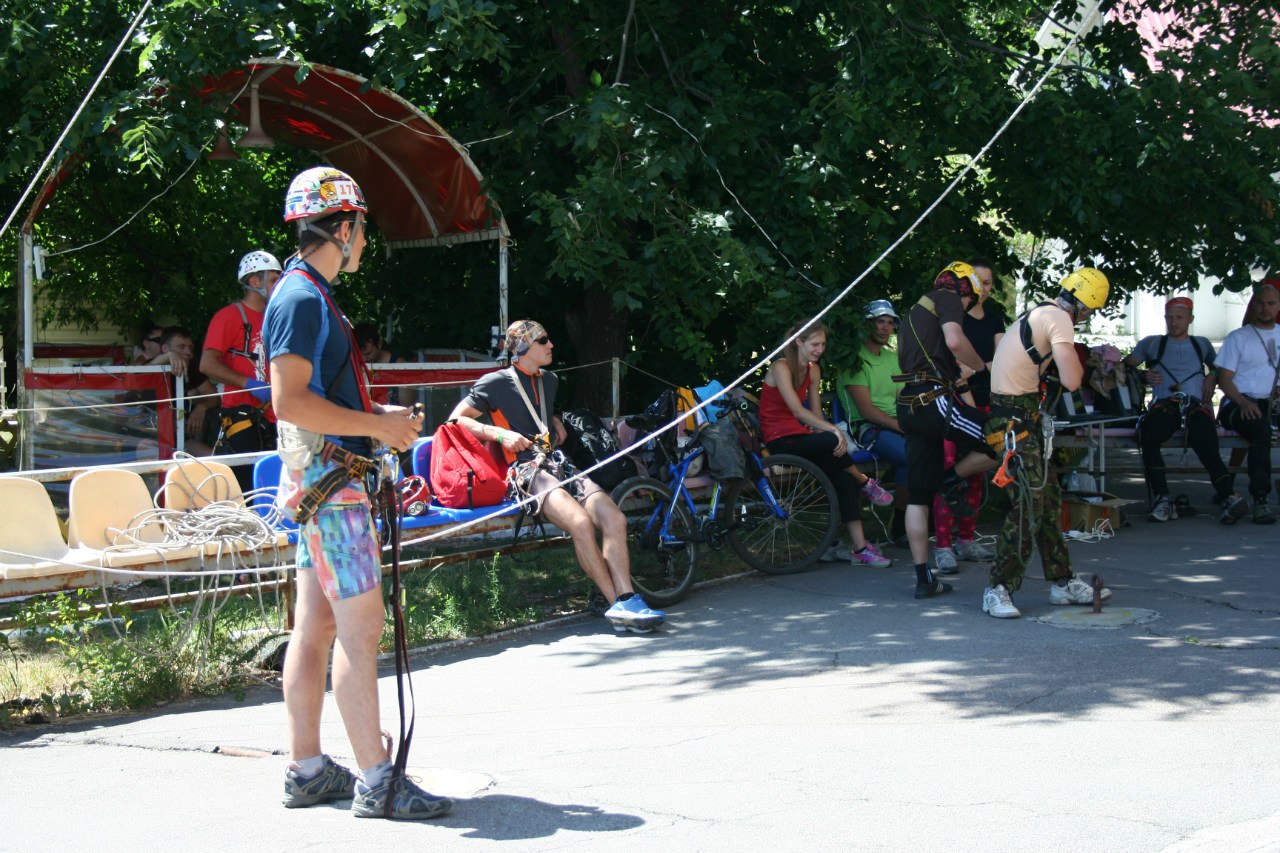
(540, 422)
(357, 359)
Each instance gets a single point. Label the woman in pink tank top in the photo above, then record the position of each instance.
(792, 422)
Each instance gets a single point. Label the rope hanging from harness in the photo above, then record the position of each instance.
(390, 511)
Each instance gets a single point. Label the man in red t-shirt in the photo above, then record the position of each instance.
(233, 357)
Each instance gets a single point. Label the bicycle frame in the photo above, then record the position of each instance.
(706, 522)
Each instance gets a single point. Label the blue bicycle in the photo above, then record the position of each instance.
(780, 518)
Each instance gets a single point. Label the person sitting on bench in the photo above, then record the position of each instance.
(1176, 364)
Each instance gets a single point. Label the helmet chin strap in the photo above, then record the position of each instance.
(344, 246)
(261, 291)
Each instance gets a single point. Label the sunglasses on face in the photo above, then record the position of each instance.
(544, 340)
(154, 340)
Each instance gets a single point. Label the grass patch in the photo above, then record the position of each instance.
(67, 660)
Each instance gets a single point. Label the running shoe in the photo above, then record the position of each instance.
(874, 492)
(634, 615)
(1074, 591)
(1233, 509)
(870, 556)
(1262, 513)
(973, 552)
(944, 562)
(408, 803)
(333, 782)
(996, 602)
(1161, 510)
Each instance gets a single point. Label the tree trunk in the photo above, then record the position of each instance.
(599, 332)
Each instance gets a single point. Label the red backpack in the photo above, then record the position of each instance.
(465, 473)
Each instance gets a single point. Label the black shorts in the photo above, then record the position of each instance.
(925, 428)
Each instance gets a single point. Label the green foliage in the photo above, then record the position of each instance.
(631, 182)
(474, 598)
(137, 662)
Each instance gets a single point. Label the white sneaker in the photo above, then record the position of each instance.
(944, 561)
(996, 601)
(1161, 510)
(973, 552)
(1076, 591)
(836, 553)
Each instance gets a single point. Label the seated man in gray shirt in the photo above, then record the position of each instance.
(1180, 399)
(516, 402)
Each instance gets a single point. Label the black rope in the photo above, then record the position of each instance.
(390, 512)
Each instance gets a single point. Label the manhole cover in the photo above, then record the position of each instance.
(1110, 617)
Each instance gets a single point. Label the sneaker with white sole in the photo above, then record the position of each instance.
(1074, 591)
(1262, 513)
(944, 562)
(871, 557)
(1161, 510)
(973, 552)
(997, 603)
(874, 492)
(634, 615)
(837, 553)
(408, 802)
(1234, 508)
(333, 782)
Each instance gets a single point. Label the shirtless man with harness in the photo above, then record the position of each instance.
(1022, 429)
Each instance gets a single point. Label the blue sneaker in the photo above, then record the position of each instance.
(634, 615)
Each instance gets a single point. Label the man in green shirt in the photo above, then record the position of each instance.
(869, 396)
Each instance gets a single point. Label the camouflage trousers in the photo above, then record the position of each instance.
(1037, 507)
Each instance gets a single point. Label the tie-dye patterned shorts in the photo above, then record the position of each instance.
(339, 542)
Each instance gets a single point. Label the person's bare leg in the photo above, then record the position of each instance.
(306, 666)
(355, 673)
(918, 532)
(612, 524)
(563, 511)
(974, 463)
(857, 538)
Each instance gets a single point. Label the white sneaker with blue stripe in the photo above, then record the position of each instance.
(634, 615)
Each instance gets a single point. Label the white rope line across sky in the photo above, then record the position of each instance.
(448, 530)
(505, 509)
(1027, 98)
(137, 19)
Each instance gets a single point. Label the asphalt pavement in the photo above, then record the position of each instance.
(823, 711)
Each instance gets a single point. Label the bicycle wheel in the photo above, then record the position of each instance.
(789, 531)
(663, 563)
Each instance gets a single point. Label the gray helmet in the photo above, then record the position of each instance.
(879, 308)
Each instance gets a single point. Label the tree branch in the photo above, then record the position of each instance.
(622, 55)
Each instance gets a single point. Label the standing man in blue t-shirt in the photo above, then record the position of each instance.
(1181, 395)
(321, 396)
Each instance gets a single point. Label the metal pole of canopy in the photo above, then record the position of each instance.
(615, 376)
(502, 284)
(26, 420)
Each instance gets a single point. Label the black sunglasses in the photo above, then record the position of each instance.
(155, 340)
(544, 340)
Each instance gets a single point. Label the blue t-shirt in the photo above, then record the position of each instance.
(299, 321)
(1180, 365)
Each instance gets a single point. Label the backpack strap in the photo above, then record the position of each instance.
(355, 359)
(540, 422)
(248, 331)
(1028, 340)
(1195, 344)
